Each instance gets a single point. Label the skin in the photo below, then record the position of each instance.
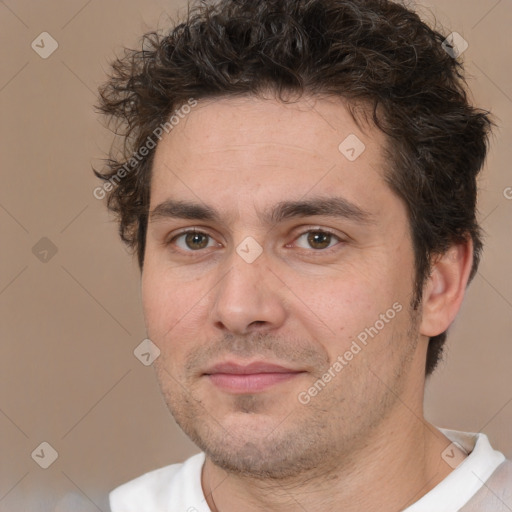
(299, 304)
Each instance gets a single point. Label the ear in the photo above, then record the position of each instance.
(445, 288)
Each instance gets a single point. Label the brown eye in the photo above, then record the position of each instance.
(196, 240)
(192, 241)
(317, 240)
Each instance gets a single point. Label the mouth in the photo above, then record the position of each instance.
(251, 378)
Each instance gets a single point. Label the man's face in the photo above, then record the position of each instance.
(302, 258)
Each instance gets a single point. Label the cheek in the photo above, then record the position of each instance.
(334, 311)
(169, 306)
(346, 308)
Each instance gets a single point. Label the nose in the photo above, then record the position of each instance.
(248, 298)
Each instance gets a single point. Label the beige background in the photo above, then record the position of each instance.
(69, 326)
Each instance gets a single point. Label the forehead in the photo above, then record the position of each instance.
(236, 151)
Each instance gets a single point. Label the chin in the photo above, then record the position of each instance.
(258, 447)
(259, 459)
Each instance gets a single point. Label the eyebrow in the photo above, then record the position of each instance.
(337, 207)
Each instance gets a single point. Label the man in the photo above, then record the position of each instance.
(299, 184)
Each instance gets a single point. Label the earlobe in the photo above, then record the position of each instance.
(445, 288)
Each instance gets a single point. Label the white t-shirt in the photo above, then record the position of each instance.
(481, 483)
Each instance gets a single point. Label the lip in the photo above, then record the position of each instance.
(247, 369)
(250, 378)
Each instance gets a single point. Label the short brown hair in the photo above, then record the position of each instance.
(374, 52)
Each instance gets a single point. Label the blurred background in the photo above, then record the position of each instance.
(69, 291)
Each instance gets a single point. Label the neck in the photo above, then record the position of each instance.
(393, 467)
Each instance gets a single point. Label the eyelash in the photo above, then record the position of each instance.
(327, 250)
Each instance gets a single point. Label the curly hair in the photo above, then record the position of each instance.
(375, 53)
